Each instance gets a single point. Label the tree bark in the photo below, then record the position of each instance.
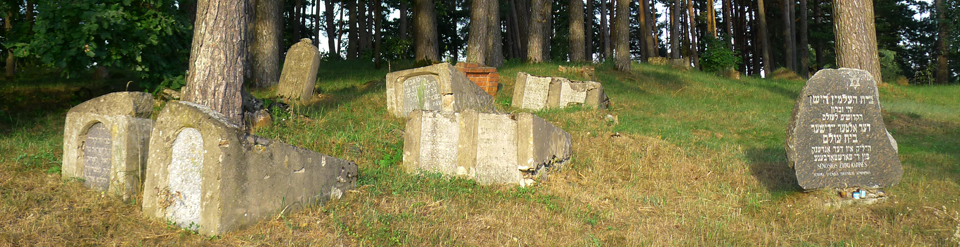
(818, 44)
(622, 27)
(646, 33)
(588, 32)
(535, 40)
(943, 72)
(547, 29)
(711, 19)
(728, 19)
(11, 60)
(604, 33)
(788, 47)
(331, 31)
(764, 40)
(362, 31)
(494, 38)
(576, 31)
(691, 16)
(802, 50)
(353, 35)
(403, 19)
(266, 43)
(856, 36)
(675, 30)
(217, 57)
(425, 23)
(296, 20)
(477, 44)
(378, 29)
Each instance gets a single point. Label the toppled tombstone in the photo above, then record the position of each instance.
(488, 147)
(206, 174)
(485, 77)
(585, 71)
(536, 93)
(836, 137)
(299, 75)
(105, 142)
(439, 87)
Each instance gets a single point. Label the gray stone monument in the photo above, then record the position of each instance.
(488, 147)
(105, 142)
(205, 173)
(536, 93)
(836, 136)
(299, 75)
(439, 87)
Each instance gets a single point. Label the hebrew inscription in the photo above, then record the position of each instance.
(97, 156)
(421, 92)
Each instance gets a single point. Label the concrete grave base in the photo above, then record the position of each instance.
(536, 93)
(491, 148)
(105, 142)
(206, 174)
(439, 87)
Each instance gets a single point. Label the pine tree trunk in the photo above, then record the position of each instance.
(331, 31)
(353, 35)
(711, 19)
(377, 28)
(362, 30)
(692, 21)
(217, 58)
(604, 34)
(588, 32)
(646, 36)
(403, 19)
(764, 40)
(576, 31)
(547, 29)
(535, 41)
(477, 43)
(495, 37)
(788, 46)
(622, 27)
(266, 43)
(802, 49)
(296, 20)
(653, 44)
(524, 16)
(675, 30)
(728, 19)
(943, 72)
(856, 37)
(513, 31)
(11, 60)
(425, 23)
(818, 44)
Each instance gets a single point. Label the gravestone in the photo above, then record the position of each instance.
(488, 147)
(299, 75)
(836, 136)
(439, 87)
(536, 93)
(204, 173)
(105, 142)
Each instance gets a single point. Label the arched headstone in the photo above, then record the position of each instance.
(184, 179)
(97, 157)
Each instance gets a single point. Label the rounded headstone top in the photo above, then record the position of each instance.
(306, 40)
(134, 104)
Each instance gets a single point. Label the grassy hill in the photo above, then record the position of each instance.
(688, 159)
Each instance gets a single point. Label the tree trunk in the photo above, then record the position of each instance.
(217, 55)
(576, 31)
(675, 30)
(588, 32)
(764, 40)
(331, 31)
(622, 27)
(943, 72)
(477, 44)
(353, 36)
(513, 33)
(535, 41)
(788, 46)
(377, 28)
(646, 34)
(425, 23)
(495, 38)
(363, 31)
(711, 19)
(296, 20)
(604, 33)
(818, 45)
(856, 36)
(728, 19)
(403, 19)
(691, 17)
(802, 49)
(547, 29)
(266, 43)
(11, 60)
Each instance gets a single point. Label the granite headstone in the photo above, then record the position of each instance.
(836, 136)
(97, 149)
(299, 75)
(438, 87)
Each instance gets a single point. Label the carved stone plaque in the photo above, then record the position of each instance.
(439, 139)
(536, 92)
(97, 150)
(421, 92)
(497, 149)
(570, 95)
(184, 179)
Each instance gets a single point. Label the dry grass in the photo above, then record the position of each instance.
(693, 160)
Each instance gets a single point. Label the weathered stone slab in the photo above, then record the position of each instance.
(299, 75)
(536, 93)
(836, 136)
(437, 87)
(207, 174)
(105, 142)
(490, 148)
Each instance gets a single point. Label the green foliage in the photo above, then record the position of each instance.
(889, 69)
(148, 37)
(718, 56)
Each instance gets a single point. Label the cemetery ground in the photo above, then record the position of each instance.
(684, 158)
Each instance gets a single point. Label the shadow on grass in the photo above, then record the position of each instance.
(931, 145)
(769, 166)
(781, 90)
